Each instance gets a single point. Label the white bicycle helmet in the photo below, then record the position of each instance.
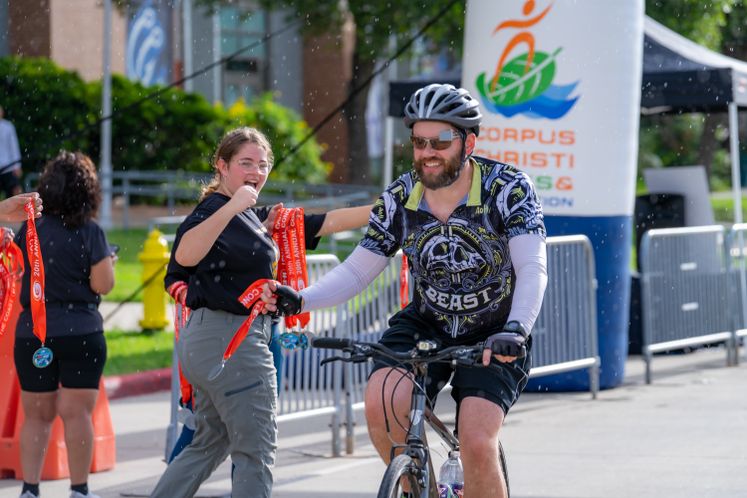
(442, 102)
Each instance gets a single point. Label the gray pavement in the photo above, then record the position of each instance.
(683, 436)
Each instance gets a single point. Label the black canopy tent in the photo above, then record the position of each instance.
(678, 76)
(681, 76)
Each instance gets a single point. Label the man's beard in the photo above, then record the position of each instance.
(449, 174)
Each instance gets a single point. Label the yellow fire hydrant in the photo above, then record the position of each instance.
(155, 256)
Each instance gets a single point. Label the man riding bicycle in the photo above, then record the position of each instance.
(473, 233)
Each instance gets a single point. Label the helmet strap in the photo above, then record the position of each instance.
(463, 152)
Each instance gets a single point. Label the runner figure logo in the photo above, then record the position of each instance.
(524, 84)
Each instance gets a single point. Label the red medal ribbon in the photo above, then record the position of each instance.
(178, 291)
(250, 299)
(288, 233)
(38, 306)
(11, 268)
(404, 283)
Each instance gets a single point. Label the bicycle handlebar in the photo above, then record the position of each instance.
(361, 351)
(331, 342)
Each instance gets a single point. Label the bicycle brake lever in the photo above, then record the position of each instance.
(469, 362)
(358, 358)
(330, 360)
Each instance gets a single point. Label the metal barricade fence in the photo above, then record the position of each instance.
(177, 185)
(366, 317)
(306, 389)
(737, 247)
(684, 290)
(565, 333)
(304, 386)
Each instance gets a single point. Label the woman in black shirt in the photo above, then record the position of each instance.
(225, 247)
(78, 267)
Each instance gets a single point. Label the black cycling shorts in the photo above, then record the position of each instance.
(77, 362)
(501, 386)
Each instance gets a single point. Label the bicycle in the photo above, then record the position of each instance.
(414, 463)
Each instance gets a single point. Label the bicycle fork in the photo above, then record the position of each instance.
(415, 445)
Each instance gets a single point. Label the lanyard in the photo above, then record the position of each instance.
(288, 233)
(36, 267)
(11, 267)
(404, 285)
(181, 314)
(250, 299)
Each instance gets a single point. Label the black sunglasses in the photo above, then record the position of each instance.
(443, 142)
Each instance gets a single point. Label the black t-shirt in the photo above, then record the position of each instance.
(243, 253)
(68, 254)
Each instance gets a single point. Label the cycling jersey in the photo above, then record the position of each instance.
(461, 269)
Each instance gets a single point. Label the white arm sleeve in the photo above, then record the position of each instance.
(345, 280)
(529, 258)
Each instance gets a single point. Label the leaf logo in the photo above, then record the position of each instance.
(524, 84)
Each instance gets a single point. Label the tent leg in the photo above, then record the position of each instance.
(388, 152)
(736, 176)
(736, 180)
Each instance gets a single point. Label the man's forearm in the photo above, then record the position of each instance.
(344, 281)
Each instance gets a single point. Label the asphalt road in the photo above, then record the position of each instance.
(683, 436)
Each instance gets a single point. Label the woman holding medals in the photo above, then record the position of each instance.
(12, 209)
(59, 364)
(225, 248)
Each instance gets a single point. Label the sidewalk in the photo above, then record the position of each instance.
(684, 436)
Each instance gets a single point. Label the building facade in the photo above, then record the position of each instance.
(309, 76)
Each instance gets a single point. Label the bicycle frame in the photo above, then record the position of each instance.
(415, 445)
(412, 460)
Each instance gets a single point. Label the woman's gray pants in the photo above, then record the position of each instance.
(234, 414)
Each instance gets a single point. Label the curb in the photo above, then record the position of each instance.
(135, 384)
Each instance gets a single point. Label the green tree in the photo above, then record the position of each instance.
(173, 131)
(375, 22)
(285, 130)
(152, 128)
(699, 138)
(702, 22)
(50, 107)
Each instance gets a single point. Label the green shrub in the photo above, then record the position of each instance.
(47, 105)
(285, 130)
(174, 130)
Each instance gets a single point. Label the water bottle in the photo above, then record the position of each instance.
(451, 477)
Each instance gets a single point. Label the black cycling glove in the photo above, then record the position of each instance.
(511, 341)
(289, 301)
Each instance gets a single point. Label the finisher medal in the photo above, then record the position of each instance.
(294, 340)
(42, 357)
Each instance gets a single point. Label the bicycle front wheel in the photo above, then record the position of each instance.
(504, 467)
(402, 468)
